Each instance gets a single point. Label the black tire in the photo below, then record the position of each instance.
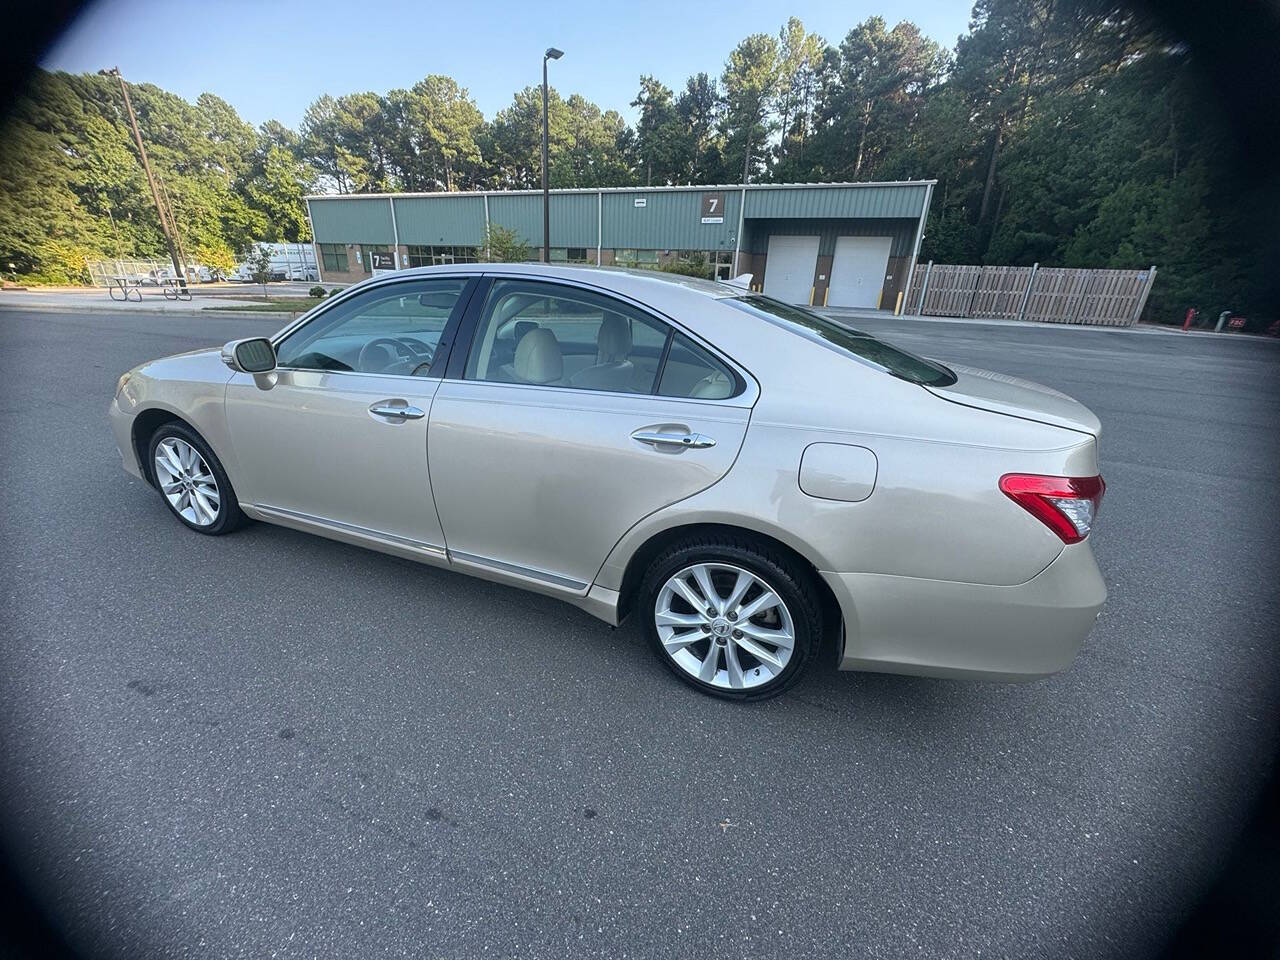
(790, 580)
(230, 516)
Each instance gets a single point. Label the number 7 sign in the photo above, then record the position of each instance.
(713, 207)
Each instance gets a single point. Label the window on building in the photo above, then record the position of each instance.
(434, 256)
(368, 248)
(569, 255)
(721, 262)
(333, 257)
(644, 259)
(717, 263)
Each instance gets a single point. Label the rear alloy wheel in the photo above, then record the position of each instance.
(192, 481)
(732, 621)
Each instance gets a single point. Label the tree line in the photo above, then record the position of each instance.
(1064, 132)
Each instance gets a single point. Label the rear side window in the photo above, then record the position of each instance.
(536, 333)
(694, 373)
(813, 326)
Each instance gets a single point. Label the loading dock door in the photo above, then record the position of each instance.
(788, 270)
(858, 271)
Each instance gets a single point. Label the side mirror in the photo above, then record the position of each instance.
(254, 355)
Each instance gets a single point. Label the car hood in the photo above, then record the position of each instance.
(1016, 397)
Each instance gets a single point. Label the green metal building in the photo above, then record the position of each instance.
(837, 244)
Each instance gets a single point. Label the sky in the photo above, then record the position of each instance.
(270, 60)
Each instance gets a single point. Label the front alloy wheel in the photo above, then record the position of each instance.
(192, 481)
(187, 482)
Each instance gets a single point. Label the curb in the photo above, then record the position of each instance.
(282, 315)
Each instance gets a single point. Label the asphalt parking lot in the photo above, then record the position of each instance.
(270, 744)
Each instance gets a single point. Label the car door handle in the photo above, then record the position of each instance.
(397, 411)
(655, 439)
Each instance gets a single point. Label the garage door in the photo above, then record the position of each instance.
(788, 271)
(858, 270)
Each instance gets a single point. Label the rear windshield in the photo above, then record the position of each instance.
(899, 363)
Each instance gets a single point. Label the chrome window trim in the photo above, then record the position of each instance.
(751, 392)
(747, 398)
(355, 289)
(360, 373)
(576, 393)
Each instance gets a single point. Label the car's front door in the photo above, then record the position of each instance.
(573, 416)
(340, 437)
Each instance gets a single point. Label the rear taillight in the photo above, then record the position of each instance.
(1066, 505)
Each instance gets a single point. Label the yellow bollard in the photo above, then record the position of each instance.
(897, 308)
(812, 291)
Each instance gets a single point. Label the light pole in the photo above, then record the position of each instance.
(551, 54)
(167, 226)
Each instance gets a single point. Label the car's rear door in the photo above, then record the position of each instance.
(558, 430)
(338, 436)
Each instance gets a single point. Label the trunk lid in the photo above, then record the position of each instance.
(1015, 397)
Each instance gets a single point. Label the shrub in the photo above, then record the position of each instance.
(335, 291)
(317, 292)
(503, 245)
(695, 266)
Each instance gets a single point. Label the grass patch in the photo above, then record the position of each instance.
(292, 305)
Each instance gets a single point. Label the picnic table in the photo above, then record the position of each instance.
(174, 289)
(129, 288)
(126, 287)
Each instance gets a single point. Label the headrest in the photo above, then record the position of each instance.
(538, 357)
(714, 387)
(613, 342)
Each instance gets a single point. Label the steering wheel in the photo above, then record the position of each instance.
(423, 351)
(406, 348)
(402, 352)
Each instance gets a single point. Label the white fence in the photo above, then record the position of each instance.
(101, 272)
(1113, 298)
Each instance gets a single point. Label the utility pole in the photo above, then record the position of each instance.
(173, 225)
(166, 220)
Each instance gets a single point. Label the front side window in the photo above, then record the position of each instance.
(553, 335)
(387, 330)
(814, 326)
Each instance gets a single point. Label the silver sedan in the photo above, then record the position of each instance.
(754, 481)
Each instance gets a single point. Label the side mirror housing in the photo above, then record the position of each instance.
(252, 355)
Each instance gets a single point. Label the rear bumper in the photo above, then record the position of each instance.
(945, 628)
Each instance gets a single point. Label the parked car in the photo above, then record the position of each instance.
(750, 480)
